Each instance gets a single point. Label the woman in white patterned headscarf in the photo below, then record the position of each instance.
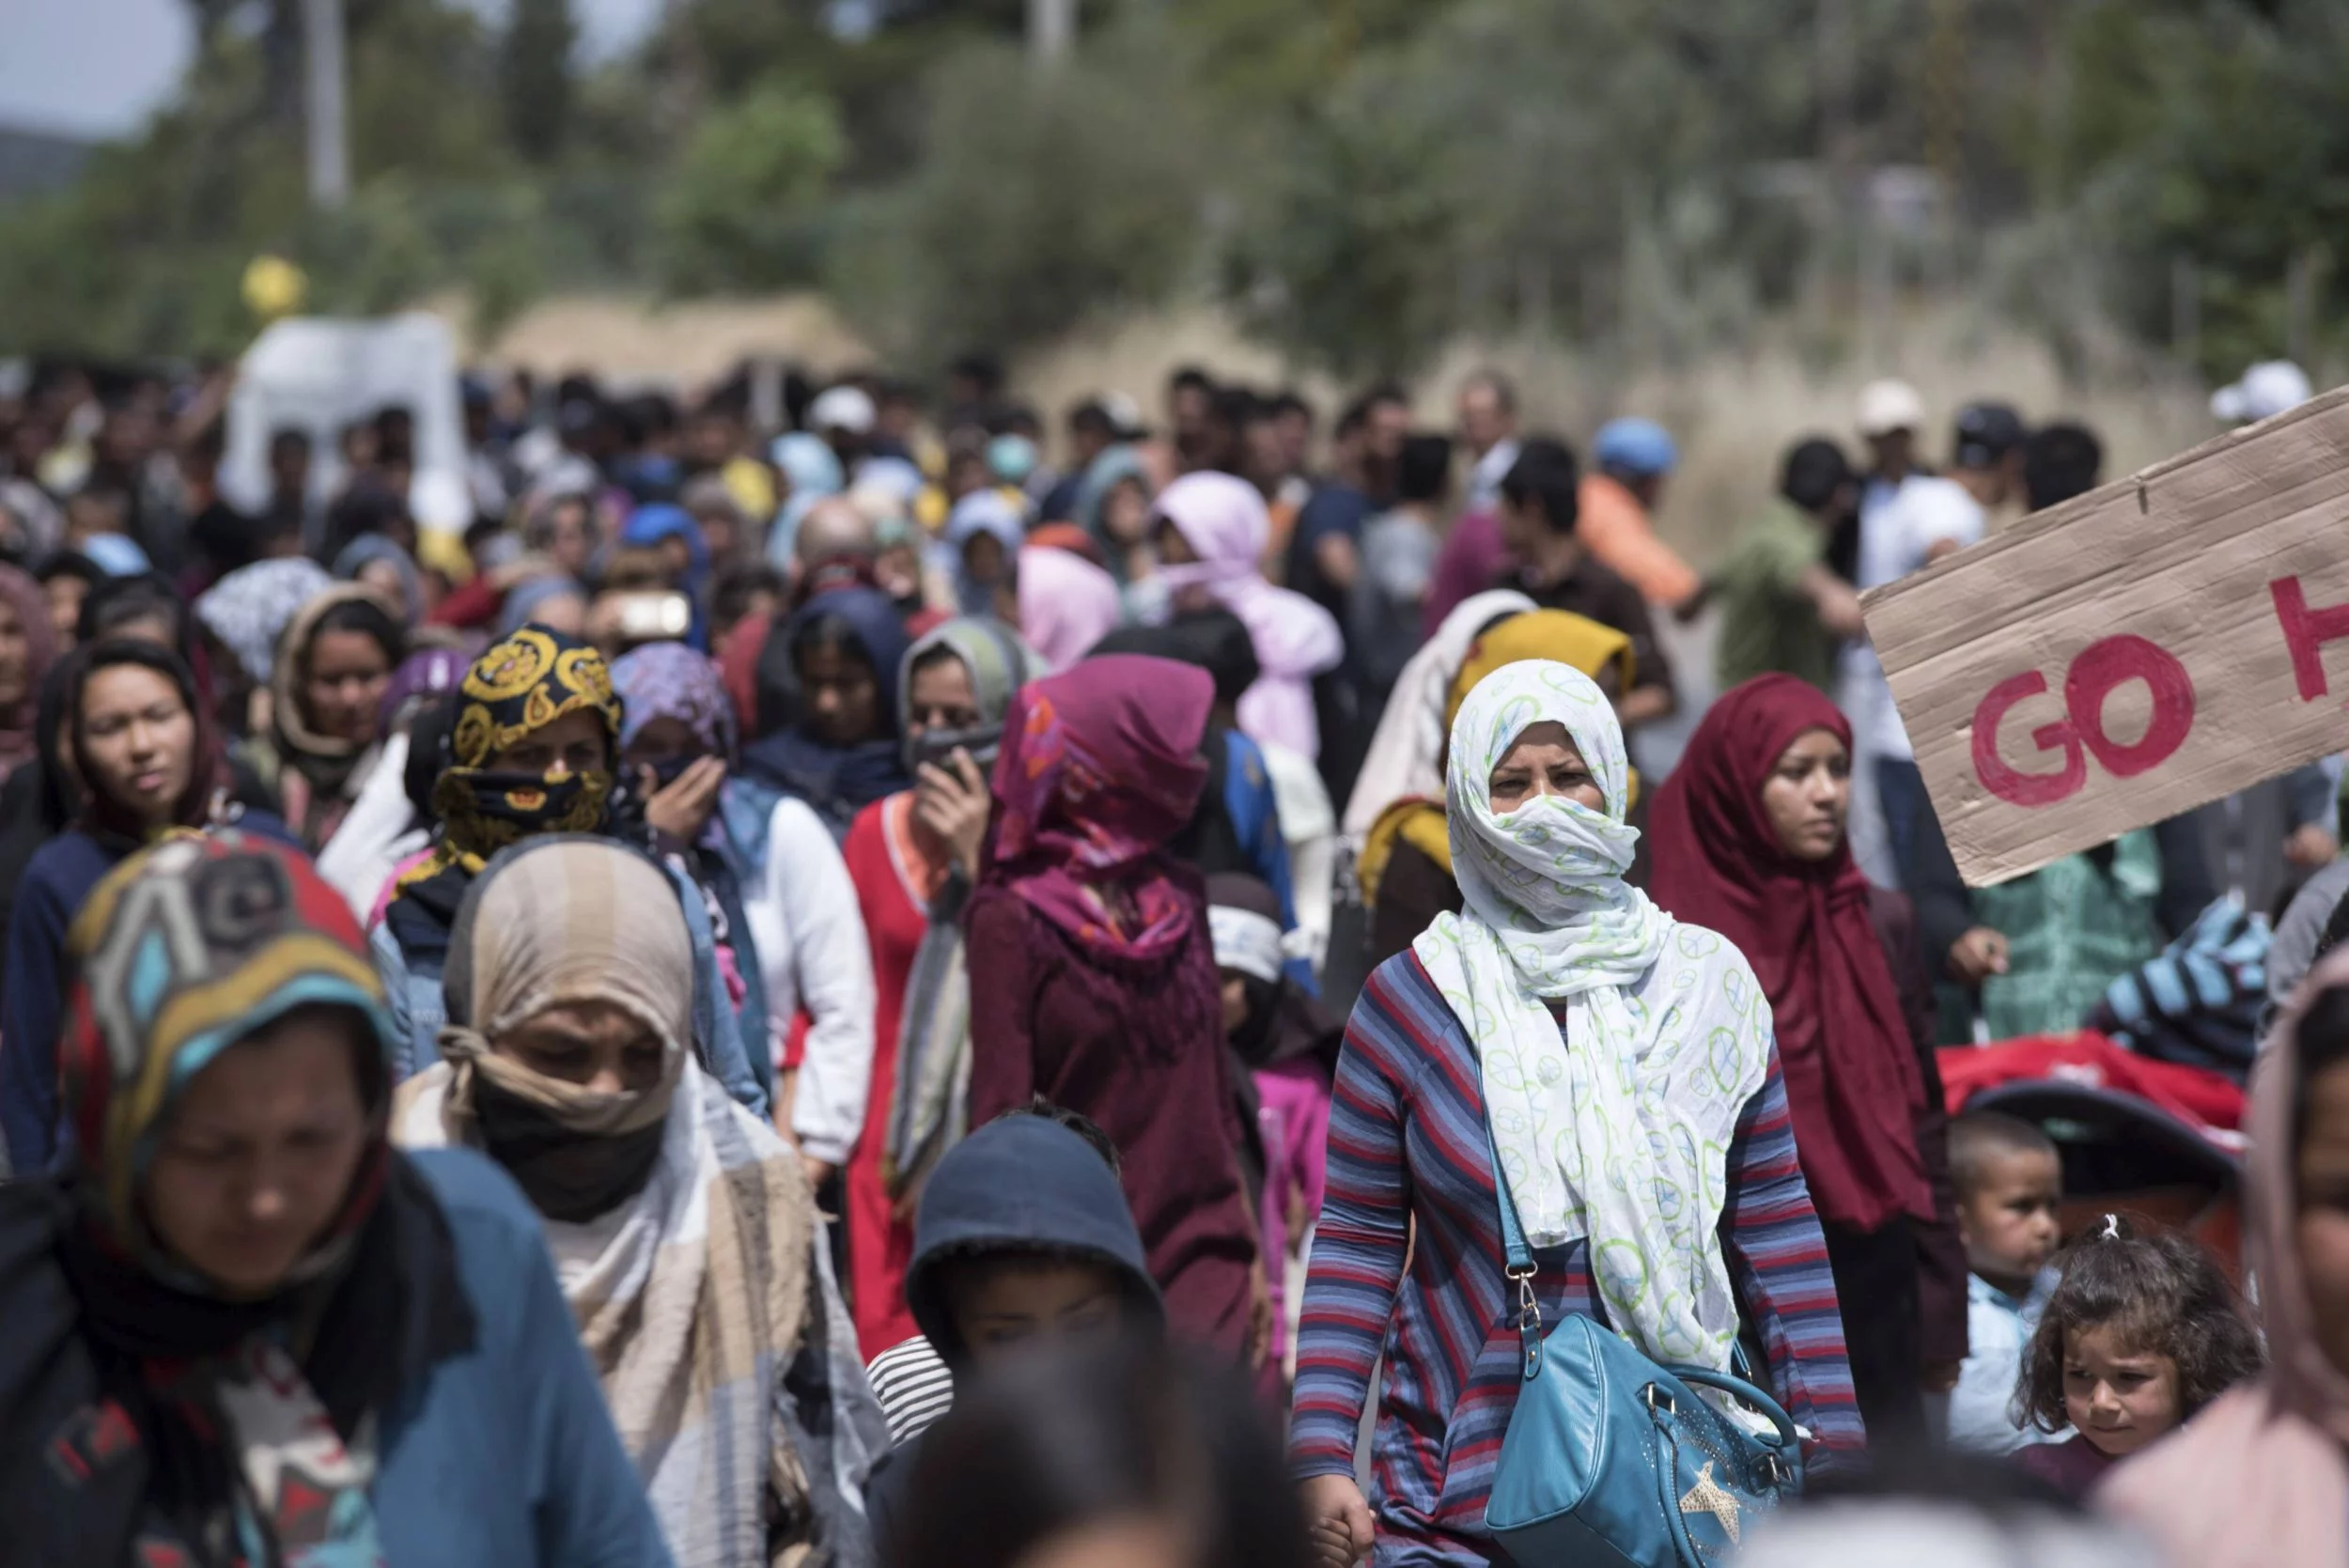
(1635, 1108)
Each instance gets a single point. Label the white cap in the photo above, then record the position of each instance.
(1888, 406)
(2267, 389)
(843, 408)
(1124, 413)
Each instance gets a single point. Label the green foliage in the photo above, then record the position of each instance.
(1588, 143)
(1359, 179)
(2220, 137)
(535, 77)
(1040, 198)
(734, 215)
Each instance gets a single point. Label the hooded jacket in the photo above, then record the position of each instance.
(1021, 1185)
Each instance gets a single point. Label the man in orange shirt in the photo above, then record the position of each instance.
(1632, 459)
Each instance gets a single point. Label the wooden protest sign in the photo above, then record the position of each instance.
(2150, 647)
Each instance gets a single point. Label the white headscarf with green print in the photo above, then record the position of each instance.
(1618, 1126)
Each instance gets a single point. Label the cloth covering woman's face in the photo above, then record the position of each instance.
(256, 1160)
(595, 1045)
(1807, 796)
(1543, 761)
(342, 687)
(137, 740)
(2323, 1226)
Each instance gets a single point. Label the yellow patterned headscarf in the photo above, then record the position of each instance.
(1574, 641)
(521, 685)
(1553, 634)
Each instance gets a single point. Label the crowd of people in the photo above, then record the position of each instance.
(910, 987)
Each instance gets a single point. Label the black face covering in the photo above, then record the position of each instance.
(567, 1176)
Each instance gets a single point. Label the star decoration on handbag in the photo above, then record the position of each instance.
(1709, 1497)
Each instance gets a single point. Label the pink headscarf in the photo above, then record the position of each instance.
(2261, 1477)
(1067, 604)
(1223, 521)
(1100, 767)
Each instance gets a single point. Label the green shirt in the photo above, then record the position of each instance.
(1769, 624)
(2072, 928)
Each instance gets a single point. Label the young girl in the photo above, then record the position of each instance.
(2142, 1333)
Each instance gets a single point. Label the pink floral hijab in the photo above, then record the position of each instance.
(1100, 767)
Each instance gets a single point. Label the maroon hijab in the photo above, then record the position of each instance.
(1851, 1069)
(1101, 768)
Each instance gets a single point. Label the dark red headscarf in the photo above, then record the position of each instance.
(1099, 769)
(1851, 1069)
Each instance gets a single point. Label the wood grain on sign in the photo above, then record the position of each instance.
(2130, 655)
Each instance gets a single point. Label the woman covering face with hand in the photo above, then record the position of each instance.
(1621, 1063)
(773, 880)
(1749, 838)
(241, 1328)
(683, 1235)
(914, 858)
(532, 748)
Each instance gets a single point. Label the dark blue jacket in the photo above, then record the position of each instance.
(506, 1458)
(32, 1010)
(1018, 1185)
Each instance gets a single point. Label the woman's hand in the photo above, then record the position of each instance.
(1977, 955)
(1259, 1315)
(953, 802)
(681, 809)
(1336, 1518)
(2311, 847)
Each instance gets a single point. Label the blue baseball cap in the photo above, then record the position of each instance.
(1640, 447)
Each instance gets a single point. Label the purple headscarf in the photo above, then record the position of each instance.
(425, 674)
(669, 680)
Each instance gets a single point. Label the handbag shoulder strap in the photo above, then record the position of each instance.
(1512, 1247)
(1518, 1260)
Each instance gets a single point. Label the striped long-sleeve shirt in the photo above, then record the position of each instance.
(1408, 1144)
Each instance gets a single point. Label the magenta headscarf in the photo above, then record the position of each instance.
(1066, 605)
(1223, 521)
(1100, 767)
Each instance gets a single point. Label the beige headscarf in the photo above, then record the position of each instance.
(2261, 1477)
(567, 920)
(696, 1297)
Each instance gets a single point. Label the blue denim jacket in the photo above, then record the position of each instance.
(418, 1007)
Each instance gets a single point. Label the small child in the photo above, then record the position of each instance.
(1281, 1036)
(1023, 1240)
(2142, 1332)
(2008, 1181)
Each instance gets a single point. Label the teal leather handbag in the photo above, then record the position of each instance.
(1614, 1461)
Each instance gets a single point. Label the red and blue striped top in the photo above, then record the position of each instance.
(1408, 1144)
